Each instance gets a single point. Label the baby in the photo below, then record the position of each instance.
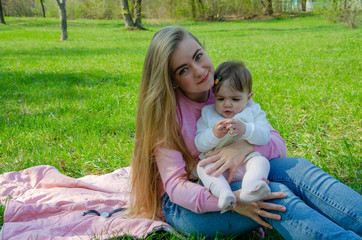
(234, 116)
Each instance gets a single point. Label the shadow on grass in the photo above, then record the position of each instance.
(54, 22)
(12, 81)
(162, 234)
(246, 29)
(79, 52)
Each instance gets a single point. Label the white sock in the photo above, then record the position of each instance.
(253, 186)
(219, 187)
(254, 193)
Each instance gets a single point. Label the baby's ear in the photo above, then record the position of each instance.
(250, 96)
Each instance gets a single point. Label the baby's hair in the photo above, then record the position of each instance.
(235, 72)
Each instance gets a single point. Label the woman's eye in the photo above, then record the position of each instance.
(182, 71)
(198, 56)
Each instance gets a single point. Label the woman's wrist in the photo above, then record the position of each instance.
(237, 194)
(247, 147)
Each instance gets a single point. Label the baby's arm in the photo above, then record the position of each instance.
(251, 124)
(258, 131)
(205, 139)
(220, 129)
(235, 126)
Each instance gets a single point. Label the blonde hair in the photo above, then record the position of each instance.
(156, 124)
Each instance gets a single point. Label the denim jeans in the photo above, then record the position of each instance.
(318, 207)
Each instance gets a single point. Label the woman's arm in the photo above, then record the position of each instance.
(275, 148)
(198, 199)
(187, 194)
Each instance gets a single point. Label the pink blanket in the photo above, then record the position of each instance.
(46, 204)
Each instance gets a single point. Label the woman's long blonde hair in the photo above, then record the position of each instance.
(156, 124)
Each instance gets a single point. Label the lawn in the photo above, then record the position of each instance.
(73, 104)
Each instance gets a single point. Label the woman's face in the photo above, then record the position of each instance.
(192, 70)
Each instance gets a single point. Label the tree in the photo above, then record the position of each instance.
(268, 7)
(1, 14)
(138, 15)
(197, 9)
(352, 13)
(63, 19)
(127, 17)
(42, 7)
(304, 5)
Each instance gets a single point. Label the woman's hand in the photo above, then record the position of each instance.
(229, 157)
(256, 210)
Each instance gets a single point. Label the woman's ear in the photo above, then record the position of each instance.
(174, 86)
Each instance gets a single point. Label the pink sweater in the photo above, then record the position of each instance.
(171, 165)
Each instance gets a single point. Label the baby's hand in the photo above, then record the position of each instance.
(235, 126)
(220, 129)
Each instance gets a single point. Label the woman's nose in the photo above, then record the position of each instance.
(199, 71)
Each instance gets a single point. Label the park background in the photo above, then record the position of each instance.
(72, 104)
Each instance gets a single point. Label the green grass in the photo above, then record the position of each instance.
(73, 104)
(2, 210)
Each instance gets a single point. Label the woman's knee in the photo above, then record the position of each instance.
(289, 162)
(279, 187)
(284, 169)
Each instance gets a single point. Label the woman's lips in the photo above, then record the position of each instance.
(204, 79)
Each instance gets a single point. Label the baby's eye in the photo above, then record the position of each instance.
(220, 99)
(236, 99)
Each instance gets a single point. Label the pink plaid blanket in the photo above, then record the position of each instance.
(45, 204)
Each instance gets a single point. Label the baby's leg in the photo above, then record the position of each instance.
(254, 186)
(219, 187)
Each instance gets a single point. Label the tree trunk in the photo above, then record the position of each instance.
(1, 14)
(268, 7)
(138, 14)
(63, 19)
(200, 10)
(193, 8)
(42, 7)
(345, 11)
(304, 5)
(128, 21)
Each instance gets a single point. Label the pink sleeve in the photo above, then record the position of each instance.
(187, 194)
(275, 148)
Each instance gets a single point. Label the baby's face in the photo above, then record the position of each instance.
(229, 102)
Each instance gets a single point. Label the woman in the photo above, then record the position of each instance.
(305, 203)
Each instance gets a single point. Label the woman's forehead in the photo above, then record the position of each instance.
(184, 51)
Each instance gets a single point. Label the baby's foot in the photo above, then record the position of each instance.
(226, 201)
(256, 192)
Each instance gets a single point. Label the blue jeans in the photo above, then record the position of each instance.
(318, 207)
